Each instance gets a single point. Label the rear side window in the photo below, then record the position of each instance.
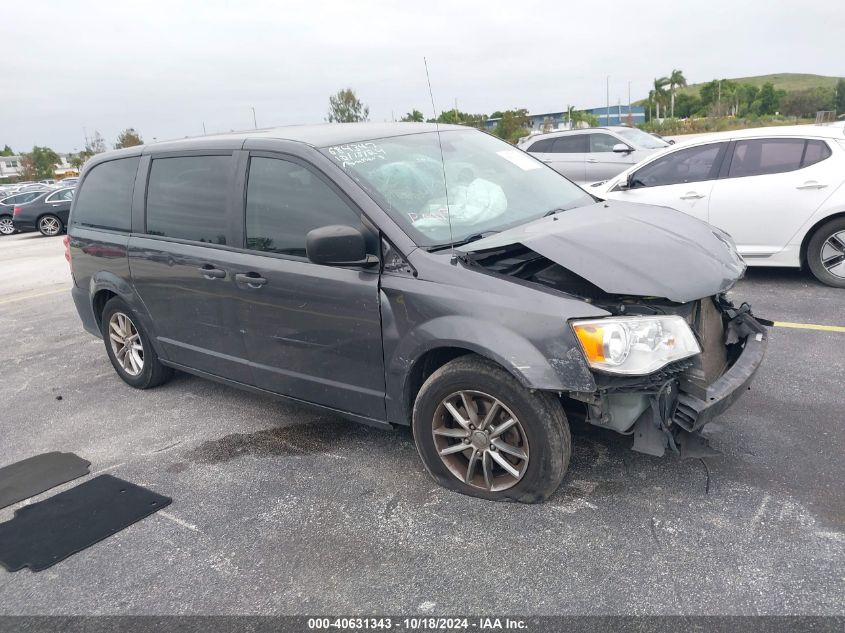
(186, 198)
(284, 201)
(694, 164)
(105, 198)
(541, 146)
(757, 157)
(815, 152)
(575, 144)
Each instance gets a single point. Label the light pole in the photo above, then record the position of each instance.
(254, 120)
(607, 109)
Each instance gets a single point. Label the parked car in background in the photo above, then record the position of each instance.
(47, 213)
(68, 182)
(33, 187)
(779, 192)
(591, 154)
(7, 206)
(405, 274)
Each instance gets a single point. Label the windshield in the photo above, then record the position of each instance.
(641, 139)
(491, 185)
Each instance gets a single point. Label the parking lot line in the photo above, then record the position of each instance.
(810, 326)
(33, 295)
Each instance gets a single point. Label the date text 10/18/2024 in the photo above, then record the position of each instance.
(417, 624)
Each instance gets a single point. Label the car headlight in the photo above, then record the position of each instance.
(635, 345)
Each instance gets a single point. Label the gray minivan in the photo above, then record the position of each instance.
(399, 274)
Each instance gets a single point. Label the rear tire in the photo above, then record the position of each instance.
(826, 253)
(524, 462)
(129, 349)
(50, 225)
(6, 225)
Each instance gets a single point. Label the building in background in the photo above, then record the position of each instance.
(10, 167)
(616, 115)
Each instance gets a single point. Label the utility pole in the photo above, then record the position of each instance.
(254, 120)
(203, 128)
(629, 100)
(607, 109)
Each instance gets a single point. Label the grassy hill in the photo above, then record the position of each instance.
(782, 81)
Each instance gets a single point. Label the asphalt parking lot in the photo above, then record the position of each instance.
(277, 510)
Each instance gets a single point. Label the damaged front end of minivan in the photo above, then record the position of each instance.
(674, 352)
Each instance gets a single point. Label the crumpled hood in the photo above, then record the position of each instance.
(632, 249)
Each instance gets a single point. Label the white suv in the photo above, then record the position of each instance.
(779, 192)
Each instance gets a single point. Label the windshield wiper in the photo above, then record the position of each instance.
(553, 211)
(470, 238)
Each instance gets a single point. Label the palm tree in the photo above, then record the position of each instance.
(675, 80)
(660, 92)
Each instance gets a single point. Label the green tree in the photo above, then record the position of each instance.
(345, 107)
(128, 138)
(38, 164)
(658, 94)
(456, 117)
(512, 125)
(805, 103)
(717, 96)
(7, 151)
(676, 80)
(686, 105)
(838, 101)
(576, 117)
(746, 94)
(768, 100)
(414, 116)
(77, 161)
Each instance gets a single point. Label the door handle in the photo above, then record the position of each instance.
(691, 195)
(811, 184)
(592, 160)
(253, 280)
(210, 272)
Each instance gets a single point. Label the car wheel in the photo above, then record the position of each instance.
(50, 225)
(6, 225)
(826, 253)
(129, 348)
(481, 433)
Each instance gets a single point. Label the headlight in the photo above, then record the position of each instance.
(635, 345)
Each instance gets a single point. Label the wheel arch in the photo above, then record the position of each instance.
(436, 342)
(805, 242)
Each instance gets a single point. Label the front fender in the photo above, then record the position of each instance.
(530, 340)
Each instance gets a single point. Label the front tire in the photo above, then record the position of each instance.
(481, 433)
(7, 227)
(129, 348)
(50, 225)
(826, 253)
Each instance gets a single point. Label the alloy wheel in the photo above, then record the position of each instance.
(833, 254)
(480, 440)
(126, 343)
(7, 227)
(49, 225)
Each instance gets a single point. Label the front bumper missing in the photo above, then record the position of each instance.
(676, 414)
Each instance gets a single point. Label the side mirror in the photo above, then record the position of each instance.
(621, 148)
(338, 245)
(626, 184)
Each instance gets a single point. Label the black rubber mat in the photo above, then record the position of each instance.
(46, 532)
(32, 476)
